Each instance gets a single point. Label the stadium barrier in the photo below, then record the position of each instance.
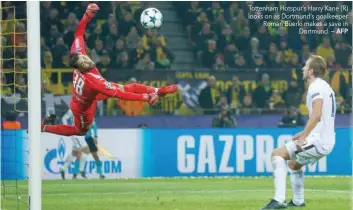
(134, 153)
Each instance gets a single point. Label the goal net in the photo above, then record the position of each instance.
(14, 95)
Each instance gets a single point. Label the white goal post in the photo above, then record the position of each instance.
(34, 106)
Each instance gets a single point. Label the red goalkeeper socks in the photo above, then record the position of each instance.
(63, 130)
(139, 88)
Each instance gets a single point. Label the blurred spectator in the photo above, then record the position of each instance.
(243, 39)
(59, 50)
(204, 36)
(63, 62)
(43, 45)
(126, 24)
(330, 62)
(136, 54)
(291, 118)
(223, 120)
(287, 52)
(209, 55)
(239, 61)
(263, 91)
(219, 23)
(132, 38)
(195, 30)
(150, 39)
(21, 53)
(248, 105)
(235, 93)
(47, 62)
(106, 25)
(21, 86)
(105, 64)
(292, 96)
(97, 35)
(97, 51)
(264, 38)
(122, 61)
(209, 96)
(20, 36)
(232, 11)
(214, 10)
(294, 62)
(51, 21)
(271, 55)
(304, 53)
(193, 12)
(239, 23)
(259, 61)
(220, 64)
(229, 54)
(164, 56)
(54, 34)
(145, 63)
(275, 102)
(6, 90)
(72, 22)
(122, 9)
(112, 37)
(226, 38)
(45, 8)
(325, 49)
(118, 48)
(342, 53)
(222, 103)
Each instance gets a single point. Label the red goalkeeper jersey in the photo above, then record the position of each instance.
(90, 84)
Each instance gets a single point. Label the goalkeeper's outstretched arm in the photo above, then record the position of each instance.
(81, 27)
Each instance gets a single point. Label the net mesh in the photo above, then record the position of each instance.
(14, 143)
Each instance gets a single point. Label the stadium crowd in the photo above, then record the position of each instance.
(223, 37)
(220, 33)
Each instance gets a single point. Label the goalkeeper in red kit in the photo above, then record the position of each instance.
(89, 87)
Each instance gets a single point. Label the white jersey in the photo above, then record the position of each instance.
(325, 129)
(68, 118)
(77, 141)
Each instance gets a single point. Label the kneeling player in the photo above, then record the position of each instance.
(316, 141)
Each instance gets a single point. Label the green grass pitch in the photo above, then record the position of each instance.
(229, 193)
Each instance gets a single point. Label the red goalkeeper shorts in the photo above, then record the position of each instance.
(83, 121)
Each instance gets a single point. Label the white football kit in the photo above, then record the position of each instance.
(78, 142)
(321, 140)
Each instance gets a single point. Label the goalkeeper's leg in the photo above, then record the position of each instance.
(140, 88)
(62, 130)
(82, 124)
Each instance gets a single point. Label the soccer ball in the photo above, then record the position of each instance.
(151, 18)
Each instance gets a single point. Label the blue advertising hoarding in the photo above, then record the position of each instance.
(180, 152)
(231, 152)
(14, 155)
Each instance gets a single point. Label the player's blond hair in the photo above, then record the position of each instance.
(318, 65)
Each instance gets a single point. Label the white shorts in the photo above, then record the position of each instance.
(77, 143)
(308, 154)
